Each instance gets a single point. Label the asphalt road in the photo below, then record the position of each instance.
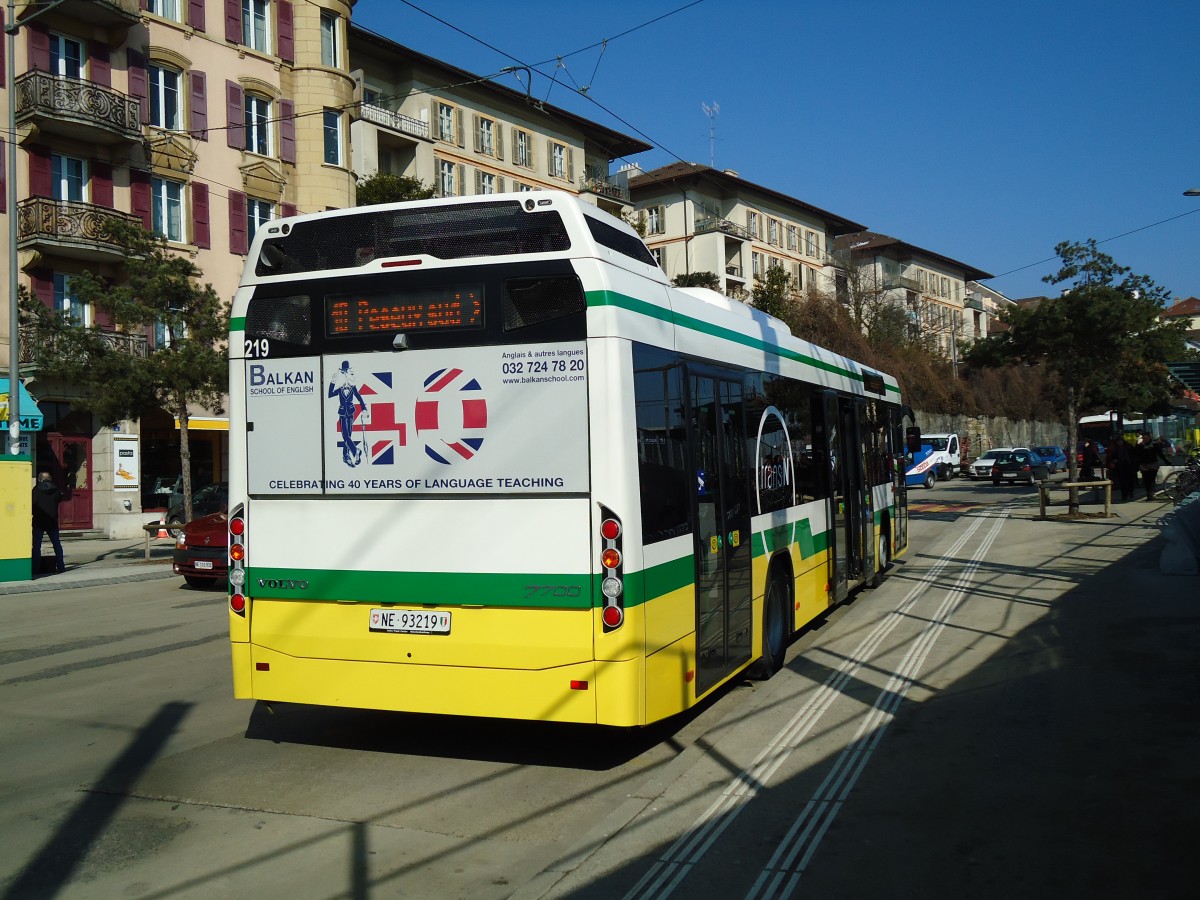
(1013, 711)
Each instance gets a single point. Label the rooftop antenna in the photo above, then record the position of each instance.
(712, 112)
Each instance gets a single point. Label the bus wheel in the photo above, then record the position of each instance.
(882, 560)
(774, 630)
(929, 479)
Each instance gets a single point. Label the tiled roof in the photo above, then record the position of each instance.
(1188, 307)
(871, 240)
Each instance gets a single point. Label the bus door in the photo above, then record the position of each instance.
(858, 427)
(896, 448)
(722, 516)
(847, 508)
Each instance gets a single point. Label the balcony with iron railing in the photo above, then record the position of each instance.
(68, 228)
(78, 109)
(394, 121)
(36, 348)
(105, 13)
(603, 187)
(710, 224)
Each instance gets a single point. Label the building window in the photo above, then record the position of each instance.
(558, 160)
(446, 178)
(69, 178)
(752, 224)
(67, 301)
(329, 39)
(523, 148)
(756, 265)
(485, 136)
(258, 124)
(657, 253)
(946, 287)
(521, 187)
(793, 238)
(446, 123)
(811, 247)
(333, 137)
(164, 97)
(773, 232)
(654, 220)
(167, 196)
(66, 56)
(487, 183)
(254, 25)
(258, 212)
(168, 9)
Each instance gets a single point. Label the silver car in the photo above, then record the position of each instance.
(982, 467)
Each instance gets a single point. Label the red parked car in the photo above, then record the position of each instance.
(202, 551)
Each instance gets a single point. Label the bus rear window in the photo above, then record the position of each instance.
(529, 301)
(456, 231)
(286, 319)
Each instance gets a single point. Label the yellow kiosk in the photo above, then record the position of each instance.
(16, 488)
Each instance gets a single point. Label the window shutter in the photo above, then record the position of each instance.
(662, 220)
(102, 183)
(195, 16)
(549, 157)
(516, 156)
(139, 198)
(40, 177)
(201, 234)
(198, 111)
(3, 43)
(42, 283)
(498, 140)
(287, 41)
(287, 210)
(3, 171)
(103, 318)
(570, 165)
(238, 227)
(499, 184)
(39, 47)
(458, 127)
(233, 21)
(287, 131)
(135, 65)
(235, 115)
(478, 182)
(478, 135)
(460, 183)
(435, 124)
(99, 67)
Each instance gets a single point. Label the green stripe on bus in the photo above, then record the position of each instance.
(433, 588)
(768, 541)
(666, 577)
(237, 323)
(622, 301)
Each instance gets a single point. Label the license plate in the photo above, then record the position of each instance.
(410, 621)
(202, 563)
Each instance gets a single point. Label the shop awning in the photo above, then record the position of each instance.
(31, 416)
(205, 423)
(1187, 373)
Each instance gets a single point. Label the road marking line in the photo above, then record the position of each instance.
(670, 869)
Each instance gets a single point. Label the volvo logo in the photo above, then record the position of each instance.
(283, 584)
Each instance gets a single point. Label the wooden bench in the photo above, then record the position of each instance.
(1045, 487)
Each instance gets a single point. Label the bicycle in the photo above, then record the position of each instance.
(1183, 482)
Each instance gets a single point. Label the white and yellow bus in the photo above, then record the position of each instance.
(485, 460)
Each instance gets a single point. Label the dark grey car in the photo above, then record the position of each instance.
(1019, 465)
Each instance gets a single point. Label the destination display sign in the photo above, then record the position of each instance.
(456, 306)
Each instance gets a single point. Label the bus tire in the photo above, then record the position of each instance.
(883, 558)
(776, 605)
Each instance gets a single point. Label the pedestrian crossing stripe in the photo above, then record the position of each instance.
(944, 507)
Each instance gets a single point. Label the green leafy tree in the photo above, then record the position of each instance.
(387, 187)
(698, 279)
(160, 290)
(1102, 338)
(774, 292)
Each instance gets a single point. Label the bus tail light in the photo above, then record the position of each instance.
(612, 587)
(237, 560)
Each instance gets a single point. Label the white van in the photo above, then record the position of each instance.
(945, 457)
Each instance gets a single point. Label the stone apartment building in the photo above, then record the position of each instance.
(700, 219)
(201, 119)
(464, 134)
(930, 287)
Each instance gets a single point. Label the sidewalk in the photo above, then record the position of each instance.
(95, 561)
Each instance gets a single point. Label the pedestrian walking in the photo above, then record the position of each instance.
(1121, 467)
(46, 497)
(1091, 459)
(1148, 455)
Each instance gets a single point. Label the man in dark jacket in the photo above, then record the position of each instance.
(46, 498)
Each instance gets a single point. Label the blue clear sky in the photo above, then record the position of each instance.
(987, 132)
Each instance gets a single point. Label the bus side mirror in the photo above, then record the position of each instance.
(912, 439)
